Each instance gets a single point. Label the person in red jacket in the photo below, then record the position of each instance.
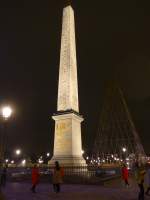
(35, 178)
(125, 174)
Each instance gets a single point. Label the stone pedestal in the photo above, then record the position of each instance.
(67, 141)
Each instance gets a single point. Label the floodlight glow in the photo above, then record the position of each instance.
(12, 162)
(6, 112)
(6, 160)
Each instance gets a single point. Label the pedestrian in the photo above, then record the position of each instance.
(1, 196)
(35, 178)
(125, 175)
(147, 179)
(57, 177)
(140, 174)
(3, 176)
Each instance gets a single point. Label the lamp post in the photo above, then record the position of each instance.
(18, 154)
(6, 113)
(124, 150)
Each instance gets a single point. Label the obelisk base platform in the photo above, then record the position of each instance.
(67, 141)
(68, 161)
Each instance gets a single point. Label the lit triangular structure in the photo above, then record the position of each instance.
(116, 131)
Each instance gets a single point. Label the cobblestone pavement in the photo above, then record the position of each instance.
(110, 191)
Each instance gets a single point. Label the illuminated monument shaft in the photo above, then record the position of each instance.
(68, 86)
(67, 140)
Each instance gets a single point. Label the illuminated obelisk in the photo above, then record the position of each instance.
(67, 139)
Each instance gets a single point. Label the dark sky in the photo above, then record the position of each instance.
(113, 37)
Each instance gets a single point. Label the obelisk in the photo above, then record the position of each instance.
(67, 138)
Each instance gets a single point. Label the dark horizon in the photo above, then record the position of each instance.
(112, 41)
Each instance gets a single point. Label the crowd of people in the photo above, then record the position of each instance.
(141, 173)
(57, 177)
(142, 177)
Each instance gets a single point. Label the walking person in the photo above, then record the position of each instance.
(57, 177)
(140, 174)
(3, 176)
(147, 179)
(125, 175)
(35, 178)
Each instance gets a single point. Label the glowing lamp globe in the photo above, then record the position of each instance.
(124, 149)
(6, 112)
(48, 154)
(23, 162)
(18, 152)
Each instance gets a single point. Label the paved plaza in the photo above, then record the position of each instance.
(110, 191)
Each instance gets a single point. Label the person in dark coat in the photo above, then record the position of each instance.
(3, 176)
(35, 178)
(125, 175)
(140, 176)
(57, 177)
(147, 178)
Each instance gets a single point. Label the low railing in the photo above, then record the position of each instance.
(72, 174)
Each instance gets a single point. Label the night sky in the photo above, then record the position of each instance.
(113, 40)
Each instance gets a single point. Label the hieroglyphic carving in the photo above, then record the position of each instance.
(68, 85)
(63, 137)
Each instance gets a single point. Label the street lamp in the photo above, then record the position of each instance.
(6, 112)
(87, 158)
(48, 154)
(23, 162)
(12, 162)
(124, 149)
(18, 152)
